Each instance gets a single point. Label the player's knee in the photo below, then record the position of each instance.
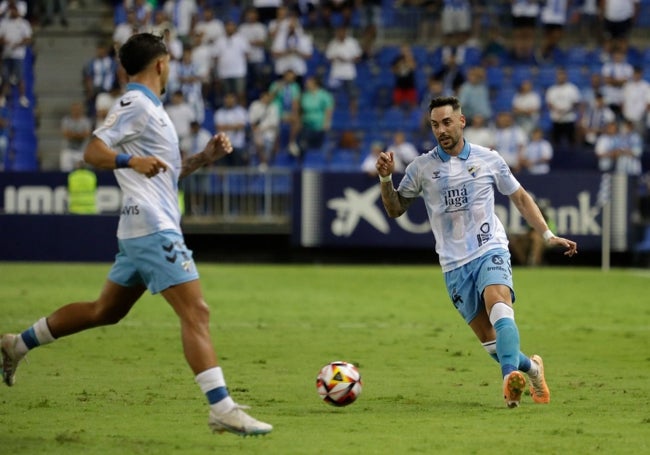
(198, 312)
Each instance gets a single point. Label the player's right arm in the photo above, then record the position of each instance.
(101, 156)
(394, 203)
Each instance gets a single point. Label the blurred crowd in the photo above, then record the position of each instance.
(549, 84)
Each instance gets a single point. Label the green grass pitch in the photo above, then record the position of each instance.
(429, 387)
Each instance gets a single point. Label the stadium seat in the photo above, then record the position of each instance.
(344, 160)
(314, 159)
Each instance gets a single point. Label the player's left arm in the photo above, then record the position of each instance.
(218, 147)
(533, 216)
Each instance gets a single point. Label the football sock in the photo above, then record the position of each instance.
(502, 318)
(525, 364)
(37, 335)
(213, 385)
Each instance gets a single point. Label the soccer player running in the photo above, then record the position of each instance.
(139, 141)
(456, 180)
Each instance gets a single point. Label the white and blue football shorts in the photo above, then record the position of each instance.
(158, 261)
(465, 284)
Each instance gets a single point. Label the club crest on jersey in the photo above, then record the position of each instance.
(435, 175)
(473, 170)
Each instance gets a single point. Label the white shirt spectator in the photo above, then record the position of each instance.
(181, 115)
(254, 32)
(562, 100)
(194, 143)
(231, 53)
(181, 13)
(615, 73)
(554, 12)
(13, 32)
(265, 118)
(236, 115)
(538, 153)
(619, 10)
(211, 30)
(482, 135)
(20, 6)
(343, 54)
(636, 99)
(403, 154)
(510, 142)
(291, 50)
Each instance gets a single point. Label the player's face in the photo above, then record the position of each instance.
(447, 126)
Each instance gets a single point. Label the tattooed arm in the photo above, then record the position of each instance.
(218, 147)
(394, 203)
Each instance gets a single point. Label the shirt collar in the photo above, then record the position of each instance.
(463, 155)
(144, 89)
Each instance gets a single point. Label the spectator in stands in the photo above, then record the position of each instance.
(619, 19)
(510, 140)
(161, 23)
(286, 94)
(104, 101)
(62, 9)
(143, 12)
(267, 10)
(451, 72)
(191, 84)
(607, 147)
(403, 151)
(231, 53)
(20, 5)
(480, 131)
(15, 37)
(593, 121)
(524, 15)
(125, 30)
(368, 165)
(587, 18)
(563, 101)
(588, 92)
(195, 141)
(232, 119)
(76, 129)
(291, 48)
(99, 75)
(538, 154)
(474, 94)
(495, 49)
(616, 73)
(456, 21)
(628, 160)
(370, 21)
(264, 118)
(404, 68)
(209, 27)
(182, 14)
(316, 108)
(173, 43)
(636, 101)
(256, 33)
(281, 19)
(554, 18)
(343, 52)
(202, 62)
(526, 107)
(181, 114)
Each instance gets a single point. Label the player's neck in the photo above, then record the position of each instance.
(150, 81)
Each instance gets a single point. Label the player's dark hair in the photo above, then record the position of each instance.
(444, 101)
(140, 50)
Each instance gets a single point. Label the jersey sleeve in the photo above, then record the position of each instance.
(410, 186)
(506, 183)
(125, 121)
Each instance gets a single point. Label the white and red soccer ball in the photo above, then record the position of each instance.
(339, 383)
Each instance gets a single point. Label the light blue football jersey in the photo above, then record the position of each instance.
(138, 125)
(458, 193)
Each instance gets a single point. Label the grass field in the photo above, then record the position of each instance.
(429, 386)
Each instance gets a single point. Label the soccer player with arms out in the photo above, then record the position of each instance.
(139, 141)
(456, 180)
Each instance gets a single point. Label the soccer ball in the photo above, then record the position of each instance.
(339, 383)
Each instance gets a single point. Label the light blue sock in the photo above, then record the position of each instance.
(507, 345)
(524, 361)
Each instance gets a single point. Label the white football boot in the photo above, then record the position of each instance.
(238, 422)
(10, 359)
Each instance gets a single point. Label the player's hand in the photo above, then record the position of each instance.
(147, 165)
(218, 147)
(571, 246)
(385, 164)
